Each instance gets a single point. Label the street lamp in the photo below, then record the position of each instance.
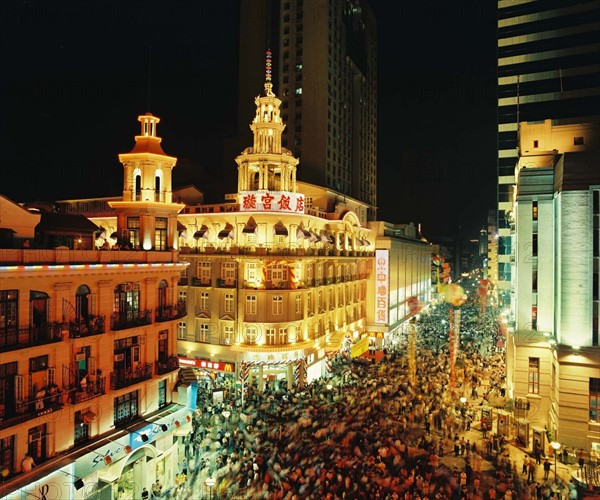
(210, 482)
(555, 446)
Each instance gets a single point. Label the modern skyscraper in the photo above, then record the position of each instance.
(325, 70)
(548, 53)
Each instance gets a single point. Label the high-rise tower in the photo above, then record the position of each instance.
(326, 74)
(548, 53)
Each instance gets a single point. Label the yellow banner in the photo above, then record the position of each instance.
(360, 347)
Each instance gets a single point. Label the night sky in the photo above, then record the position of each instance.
(75, 78)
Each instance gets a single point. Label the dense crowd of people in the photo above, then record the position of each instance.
(373, 435)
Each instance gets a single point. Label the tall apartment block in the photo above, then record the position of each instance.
(325, 70)
(548, 68)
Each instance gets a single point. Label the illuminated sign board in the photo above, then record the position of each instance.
(205, 363)
(382, 286)
(271, 201)
(360, 347)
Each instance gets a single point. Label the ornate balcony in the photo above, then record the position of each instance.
(200, 282)
(127, 377)
(168, 313)
(93, 389)
(171, 363)
(130, 319)
(28, 336)
(92, 325)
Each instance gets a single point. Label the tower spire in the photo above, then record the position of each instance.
(268, 73)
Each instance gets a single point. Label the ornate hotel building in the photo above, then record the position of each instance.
(88, 342)
(281, 273)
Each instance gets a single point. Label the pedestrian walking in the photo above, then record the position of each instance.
(546, 468)
(531, 470)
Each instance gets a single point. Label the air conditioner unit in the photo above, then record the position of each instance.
(80, 356)
(119, 357)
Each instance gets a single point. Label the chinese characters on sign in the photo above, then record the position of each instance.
(271, 201)
(381, 286)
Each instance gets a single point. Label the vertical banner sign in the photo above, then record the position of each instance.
(451, 346)
(382, 287)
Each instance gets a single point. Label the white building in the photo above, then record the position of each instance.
(553, 353)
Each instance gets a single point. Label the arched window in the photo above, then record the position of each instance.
(82, 303)
(163, 297)
(39, 309)
(137, 176)
(127, 302)
(158, 181)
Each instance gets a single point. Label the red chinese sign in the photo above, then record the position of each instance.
(271, 201)
(382, 295)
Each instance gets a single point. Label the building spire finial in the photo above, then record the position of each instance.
(268, 82)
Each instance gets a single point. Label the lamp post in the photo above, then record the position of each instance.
(555, 446)
(210, 482)
(329, 395)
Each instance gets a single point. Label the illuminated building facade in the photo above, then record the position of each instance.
(278, 276)
(326, 70)
(553, 348)
(88, 344)
(547, 68)
(401, 273)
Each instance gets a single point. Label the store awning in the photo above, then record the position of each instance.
(302, 233)
(88, 417)
(324, 239)
(280, 230)
(114, 235)
(180, 227)
(331, 239)
(225, 233)
(250, 227)
(201, 233)
(367, 242)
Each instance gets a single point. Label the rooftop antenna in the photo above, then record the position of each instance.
(149, 74)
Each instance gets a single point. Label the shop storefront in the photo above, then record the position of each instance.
(120, 469)
(216, 379)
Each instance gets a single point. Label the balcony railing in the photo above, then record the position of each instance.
(226, 283)
(28, 336)
(92, 325)
(127, 377)
(170, 364)
(200, 282)
(167, 313)
(130, 319)
(33, 408)
(92, 389)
